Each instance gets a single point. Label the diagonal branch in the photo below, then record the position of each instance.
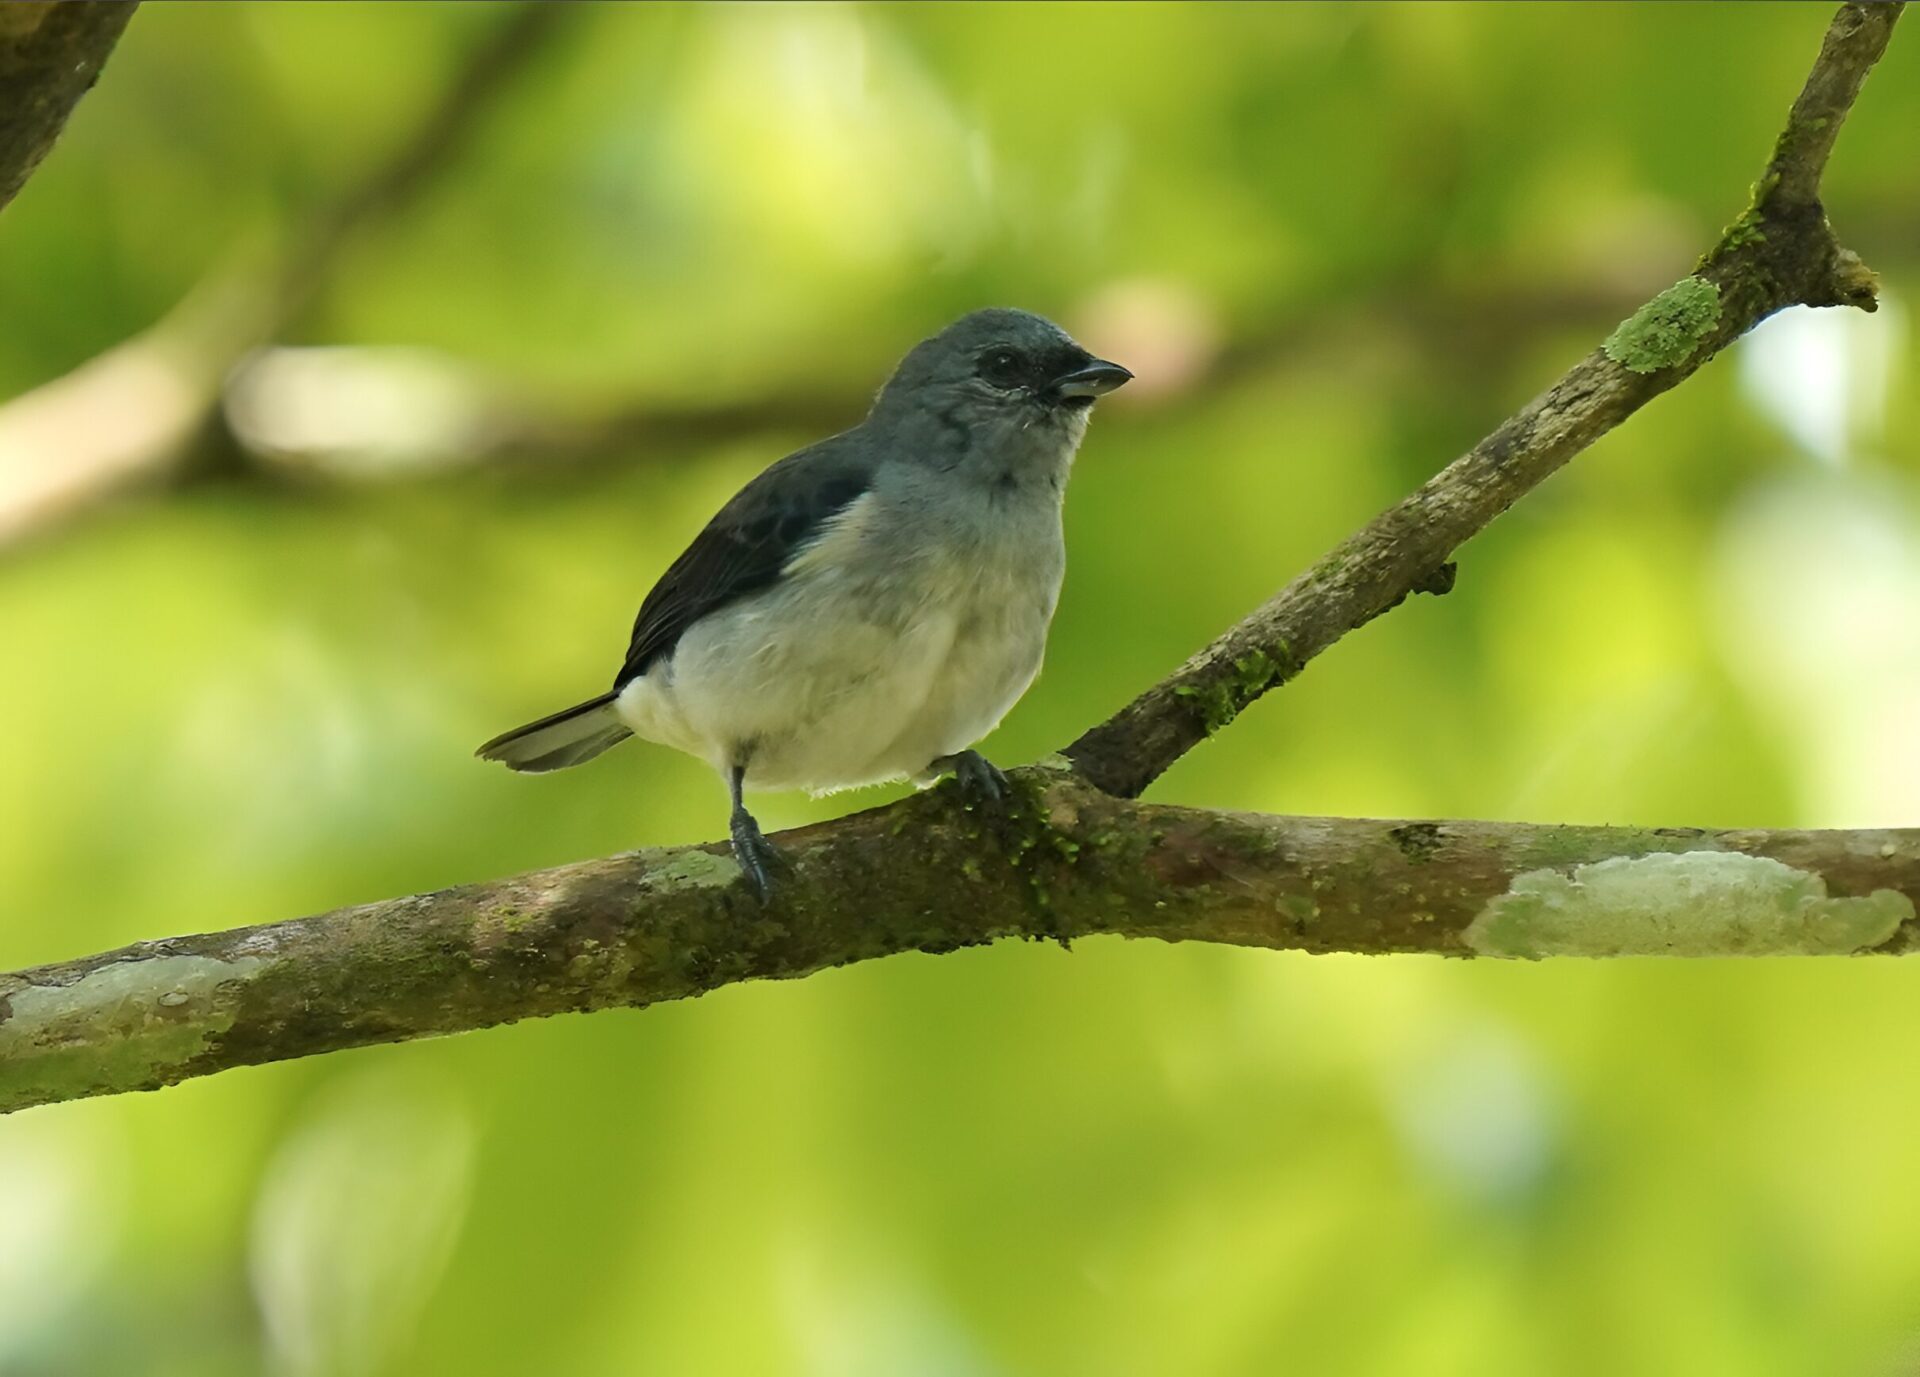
(1074, 854)
(1780, 253)
(428, 149)
(51, 53)
(1854, 42)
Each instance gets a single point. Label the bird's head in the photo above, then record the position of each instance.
(999, 371)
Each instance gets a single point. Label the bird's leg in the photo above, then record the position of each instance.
(757, 856)
(978, 777)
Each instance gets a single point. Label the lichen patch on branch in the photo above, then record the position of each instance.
(695, 870)
(121, 1023)
(1694, 903)
(1665, 332)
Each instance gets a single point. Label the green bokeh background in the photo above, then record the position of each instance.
(242, 699)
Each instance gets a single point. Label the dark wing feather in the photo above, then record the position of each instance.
(746, 545)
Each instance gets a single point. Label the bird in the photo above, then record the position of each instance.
(871, 606)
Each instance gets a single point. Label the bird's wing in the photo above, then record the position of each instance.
(745, 546)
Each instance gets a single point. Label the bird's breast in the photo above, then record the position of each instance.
(999, 597)
(893, 639)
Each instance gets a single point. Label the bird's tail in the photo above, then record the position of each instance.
(577, 734)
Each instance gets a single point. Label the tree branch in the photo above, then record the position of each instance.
(50, 56)
(1066, 862)
(1073, 854)
(1780, 253)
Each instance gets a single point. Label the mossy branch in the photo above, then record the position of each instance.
(1780, 252)
(1075, 855)
(1067, 862)
(50, 56)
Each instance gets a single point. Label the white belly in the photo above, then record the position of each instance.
(995, 657)
(821, 684)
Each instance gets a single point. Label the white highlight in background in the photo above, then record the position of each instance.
(1822, 375)
(355, 1221)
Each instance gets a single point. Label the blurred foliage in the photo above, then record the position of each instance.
(245, 699)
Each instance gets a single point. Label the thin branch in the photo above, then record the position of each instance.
(1853, 44)
(1781, 252)
(422, 157)
(1067, 862)
(50, 56)
(1072, 854)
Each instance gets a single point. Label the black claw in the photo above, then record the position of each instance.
(978, 777)
(757, 856)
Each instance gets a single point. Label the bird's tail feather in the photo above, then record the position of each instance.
(569, 737)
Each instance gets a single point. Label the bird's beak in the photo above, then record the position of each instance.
(1095, 380)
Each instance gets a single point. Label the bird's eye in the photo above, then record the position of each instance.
(1002, 367)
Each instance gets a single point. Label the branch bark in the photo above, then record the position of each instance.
(51, 53)
(1073, 854)
(1067, 861)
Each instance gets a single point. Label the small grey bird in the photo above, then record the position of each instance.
(868, 608)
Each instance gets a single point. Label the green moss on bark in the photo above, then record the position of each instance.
(1219, 702)
(1667, 330)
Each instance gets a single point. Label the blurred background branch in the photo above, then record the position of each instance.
(139, 414)
(347, 413)
(201, 395)
(208, 391)
(51, 53)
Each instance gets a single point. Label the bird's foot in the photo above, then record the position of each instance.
(979, 778)
(758, 857)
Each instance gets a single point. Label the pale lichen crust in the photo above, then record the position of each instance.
(1695, 903)
(694, 870)
(126, 1023)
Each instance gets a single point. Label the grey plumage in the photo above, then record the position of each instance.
(869, 607)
